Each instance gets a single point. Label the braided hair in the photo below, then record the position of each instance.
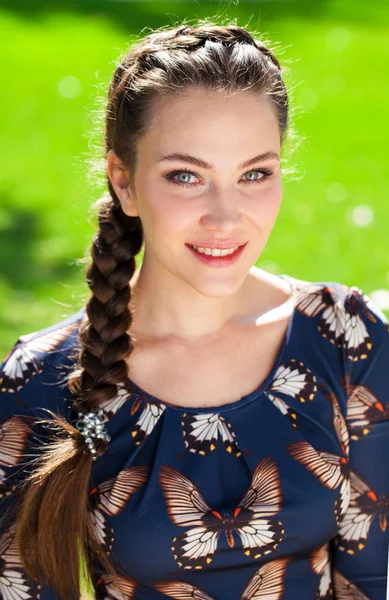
(53, 529)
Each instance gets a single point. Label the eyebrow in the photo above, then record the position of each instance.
(198, 162)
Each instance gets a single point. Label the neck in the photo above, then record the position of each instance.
(166, 308)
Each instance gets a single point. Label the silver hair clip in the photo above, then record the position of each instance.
(91, 426)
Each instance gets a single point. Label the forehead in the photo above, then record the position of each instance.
(206, 121)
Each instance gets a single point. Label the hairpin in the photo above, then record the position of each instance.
(91, 426)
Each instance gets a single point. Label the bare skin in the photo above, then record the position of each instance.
(222, 370)
(204, 336)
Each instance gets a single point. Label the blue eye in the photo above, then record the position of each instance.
(170, 177)
(187, 173)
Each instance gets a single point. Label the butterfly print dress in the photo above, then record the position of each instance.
(281, 494)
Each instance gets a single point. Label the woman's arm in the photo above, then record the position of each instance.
(32, 379)
(360, 550)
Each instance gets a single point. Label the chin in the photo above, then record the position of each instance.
(220, 286)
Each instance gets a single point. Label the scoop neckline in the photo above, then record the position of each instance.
(133, 388)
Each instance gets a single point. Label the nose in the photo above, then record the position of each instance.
(223, 213)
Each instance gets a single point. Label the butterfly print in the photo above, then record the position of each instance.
(313, 298)
(370, 309)
(13, 437)
(340, 424)
(186, 507)
(119, 587)
(294, 379)
(340, 322)
(103, 531)
(356, 336)
(24, 362)
(316, 298)
(181, 590)
(268, 581)
(345, 589)
(364, 506)
(148, 419)
(332, 470)
(15, 584)
(284, 409)
(6, 485)
(364, 408)
(321, 565)
(149, 416)
(112, 406)
(110, 497)
(202, 432)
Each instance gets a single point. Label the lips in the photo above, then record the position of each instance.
(218, 261)
(218, 245)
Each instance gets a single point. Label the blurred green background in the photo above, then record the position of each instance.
(56, 63)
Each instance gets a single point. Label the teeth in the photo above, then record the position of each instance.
(215, 251)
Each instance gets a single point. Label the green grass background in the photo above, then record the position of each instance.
(55, 65)
(336, 54)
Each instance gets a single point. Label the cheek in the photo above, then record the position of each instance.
(266, 205)
(166, 216)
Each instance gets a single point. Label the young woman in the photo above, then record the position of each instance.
(217, 432)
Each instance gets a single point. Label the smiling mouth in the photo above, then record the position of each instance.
(218, 259)
(214, 251)
(220, 245)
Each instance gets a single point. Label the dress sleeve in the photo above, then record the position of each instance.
(29, 382)
(359, 552)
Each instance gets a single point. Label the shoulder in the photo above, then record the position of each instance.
(31, 383)
(345, 334)
(33, 373)
(341, 307)
(349, 319)
(343, 315)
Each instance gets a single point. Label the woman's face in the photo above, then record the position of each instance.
(219, 198)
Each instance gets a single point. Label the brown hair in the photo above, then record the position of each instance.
(53, 528)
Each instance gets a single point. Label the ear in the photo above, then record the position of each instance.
(120, 180)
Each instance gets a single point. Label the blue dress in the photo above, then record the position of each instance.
(281, 494)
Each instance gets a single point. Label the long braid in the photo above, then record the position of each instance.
(105, 342)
